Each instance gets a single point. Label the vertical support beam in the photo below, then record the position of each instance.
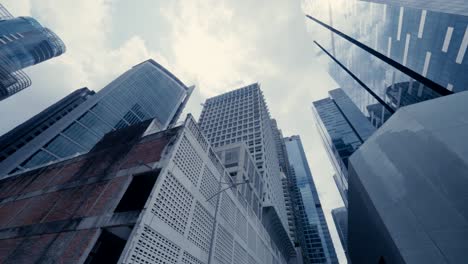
(357, 80)
(418, 77)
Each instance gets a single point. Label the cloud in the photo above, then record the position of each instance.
(210, 46)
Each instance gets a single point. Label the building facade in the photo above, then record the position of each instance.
(146, 91)
(19, 136)
(311, 228)
(430, 41)
(457, 7)
(23, 43)
(139, 196)
(407, 187)
(241, 167)
(286, 179)
(340, 217)
(243, 116)
(343, 129)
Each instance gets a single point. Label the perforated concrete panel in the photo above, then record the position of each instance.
(188, 161)
(154, 248)
(173, 204)
(201, 227)
(179, 221)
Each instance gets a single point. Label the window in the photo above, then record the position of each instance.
(109, 245)
(137, 192)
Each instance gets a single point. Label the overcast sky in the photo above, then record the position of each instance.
(217, 45)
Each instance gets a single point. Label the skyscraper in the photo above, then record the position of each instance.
(242, 116)
(146, 91)
(340, 217)
(430, 42)
(23, 43)
(27, 131)
(141, 195)
(458, 7)
(285, 178)
(407, 187)
(312, 230)
(343, 129)
(241, 167)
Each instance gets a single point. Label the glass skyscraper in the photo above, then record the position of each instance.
(23, 43)
(458, 7)
(343, 129)
(146, 91)
(340, 217)
(16, 138)
(311, 226)
(431, 42)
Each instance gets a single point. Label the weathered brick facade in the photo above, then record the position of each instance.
(55, 212)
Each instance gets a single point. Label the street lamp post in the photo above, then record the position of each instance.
(217, 195)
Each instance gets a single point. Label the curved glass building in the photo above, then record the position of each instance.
(23, 43)
(146, 91)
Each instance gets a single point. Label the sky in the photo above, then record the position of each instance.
(216, 45)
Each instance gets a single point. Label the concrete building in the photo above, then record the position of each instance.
(243, 116)
(146, 91)
(241, 167)
(407, 187)
(311, 227)
(23, 43)
(141, 195)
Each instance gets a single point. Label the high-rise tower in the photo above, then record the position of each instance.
(16, 138)
(146, 91)
(23, 43)
(458, 7)
(311, 227)
(343, 129)
(414, 50)
(243, 116)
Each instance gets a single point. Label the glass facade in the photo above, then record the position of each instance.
(458, 7)
(428, 42)
(340, 217)
(311, 226)
(343, 129)
(145, 92)
(27, 131)
(23, 42)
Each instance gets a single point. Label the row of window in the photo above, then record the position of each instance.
(34, 133)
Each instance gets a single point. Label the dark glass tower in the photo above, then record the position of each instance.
(311, 226)
(451, 7)
(343, 129)
(23, 43)
(146, 91)
(428, 38)
(340, 217)
(27, 131)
